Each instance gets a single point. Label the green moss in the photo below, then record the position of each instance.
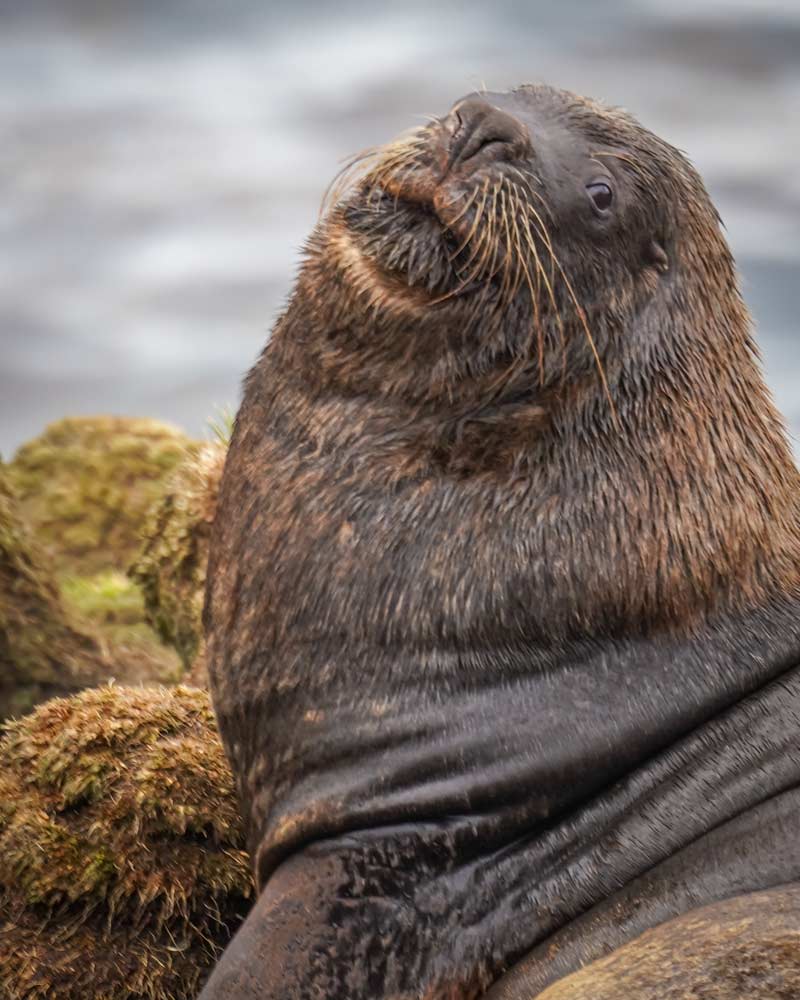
(122, 865)
(171, 569)
(43, 651)
(85, 486)
(109, 597)
(111, 605)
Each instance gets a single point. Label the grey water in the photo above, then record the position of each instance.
(162, 162)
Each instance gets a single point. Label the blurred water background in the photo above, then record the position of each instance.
(162, 161)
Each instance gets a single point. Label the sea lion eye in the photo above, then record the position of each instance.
(601, 195)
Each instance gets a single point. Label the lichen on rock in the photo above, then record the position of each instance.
(171, 568)
(123, 872)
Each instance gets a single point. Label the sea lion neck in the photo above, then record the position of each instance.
(689, 470)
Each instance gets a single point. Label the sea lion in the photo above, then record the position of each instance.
(502, 606)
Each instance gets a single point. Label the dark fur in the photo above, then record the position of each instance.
(480, 554)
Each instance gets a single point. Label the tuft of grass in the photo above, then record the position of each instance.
(221, 425)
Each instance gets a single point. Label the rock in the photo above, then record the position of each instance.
(86, 484)
(111, 606)
(123, 872)
(85, 487)
(171, 569)
(43, 652)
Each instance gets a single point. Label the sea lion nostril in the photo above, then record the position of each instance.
(482, 126)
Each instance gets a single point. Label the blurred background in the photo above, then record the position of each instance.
(162, 161)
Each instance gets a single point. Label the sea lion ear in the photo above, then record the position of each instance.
(656, 255)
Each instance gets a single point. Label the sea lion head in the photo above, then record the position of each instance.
(520, 240)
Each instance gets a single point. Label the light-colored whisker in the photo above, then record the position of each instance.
(511, 258)
(489, 254)
(582, 316)
(357, 166)
(549, 285)
(541, 229)
(529, 239)
(478, 259)
(536, 328)
(465, 208)
(516, 263)
(475, 221)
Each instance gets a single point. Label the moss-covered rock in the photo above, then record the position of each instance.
(111, 606)
(86, 484)
(107, 598)
(43, 652)
(171, 569)
(122, 865)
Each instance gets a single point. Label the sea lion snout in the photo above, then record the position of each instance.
(483, 133)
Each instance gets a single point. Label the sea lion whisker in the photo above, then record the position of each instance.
(465, 208)
(482, 269)
(482, 249)
(530, 190)
(491, 240)
(349, 172)
(495, 264)
(546, 207)
(475, 249)
(518, 244)
(523, 218)
(475, 221)
(388, 171)
(541, 275)
(521, 229)
(541, 229)
(511, 256)
(467, 281)
(347, 176)
(548, 282)
(536, 327)
(582, 316)
(549, 285)
(524, 179)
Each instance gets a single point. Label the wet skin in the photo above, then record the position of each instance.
(503, 597)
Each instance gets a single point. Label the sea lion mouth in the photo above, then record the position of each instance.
(429, 227)
(404, 241)
(384, 285)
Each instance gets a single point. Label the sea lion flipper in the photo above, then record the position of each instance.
(275, 952)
